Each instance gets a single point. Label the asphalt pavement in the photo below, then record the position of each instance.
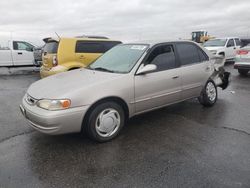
(183, 145)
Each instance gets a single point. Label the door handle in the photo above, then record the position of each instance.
(175, 77)
(20, 53)
(81, 57)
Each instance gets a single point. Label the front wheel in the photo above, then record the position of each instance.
(208, 96)
(105, 121)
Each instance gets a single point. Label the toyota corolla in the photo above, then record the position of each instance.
(127, 80)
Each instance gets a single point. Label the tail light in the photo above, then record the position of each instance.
(54, 62)
(242, 52)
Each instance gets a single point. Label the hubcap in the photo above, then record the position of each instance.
(108, 122)
(211, 91)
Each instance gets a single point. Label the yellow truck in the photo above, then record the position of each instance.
(200, 36)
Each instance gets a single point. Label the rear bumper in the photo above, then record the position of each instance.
(54, 122)
(242, 65)
(45, 72)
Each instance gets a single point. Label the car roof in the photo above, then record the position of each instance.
(226, 38)
(155, 42)
(78, 38)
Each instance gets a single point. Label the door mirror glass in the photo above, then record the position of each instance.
(147, 69)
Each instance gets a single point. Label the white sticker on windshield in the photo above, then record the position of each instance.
(138, 47)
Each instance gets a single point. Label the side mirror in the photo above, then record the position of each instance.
(147, 69)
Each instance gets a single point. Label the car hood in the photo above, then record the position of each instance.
(214, 48)
(66, 84)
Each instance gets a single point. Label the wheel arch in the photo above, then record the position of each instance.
(222, 53)
(118, 100)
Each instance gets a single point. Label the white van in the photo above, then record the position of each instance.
(16, 53)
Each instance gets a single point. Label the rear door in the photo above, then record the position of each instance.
(22, 53)
(230, 51)
(237, 44)
(161, 87)
(88, 51)
(195, 69)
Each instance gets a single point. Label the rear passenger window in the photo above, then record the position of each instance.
(89, 47)
(238, 42)
(163, 57)
(202, 55)
(188, 53)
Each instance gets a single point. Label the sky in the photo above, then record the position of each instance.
(134, 20)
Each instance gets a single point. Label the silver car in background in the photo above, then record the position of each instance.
(242, 60)
(128, 80)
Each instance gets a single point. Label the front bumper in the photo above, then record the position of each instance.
(45, 72)
(53, 122)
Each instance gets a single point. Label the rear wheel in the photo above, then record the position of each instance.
(208, 96)
(243, 72)
(105, 121)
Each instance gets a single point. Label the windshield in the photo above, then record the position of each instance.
(120, 59)
(51, 47)
(215, 42)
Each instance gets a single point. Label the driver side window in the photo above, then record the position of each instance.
(21, 46)
(230, 43)
(163, 57)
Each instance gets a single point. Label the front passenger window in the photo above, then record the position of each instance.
(163, 57)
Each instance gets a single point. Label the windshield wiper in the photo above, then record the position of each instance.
(102, 69)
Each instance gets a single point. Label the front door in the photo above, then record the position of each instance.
(162, 86)
(22, 53)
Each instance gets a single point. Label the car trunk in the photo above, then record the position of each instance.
(50, 53)
(243, 55)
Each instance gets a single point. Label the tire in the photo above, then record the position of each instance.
(209, 94)
(115, 120)
(243, 72)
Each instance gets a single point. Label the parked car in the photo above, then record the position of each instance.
(37, 52)
(226, 47)
(242, 60)
(16, 53)
(72, 53)
(128, 80)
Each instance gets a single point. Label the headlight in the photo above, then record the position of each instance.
(54, 104)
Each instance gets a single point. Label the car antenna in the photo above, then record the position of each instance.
(57, 35)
